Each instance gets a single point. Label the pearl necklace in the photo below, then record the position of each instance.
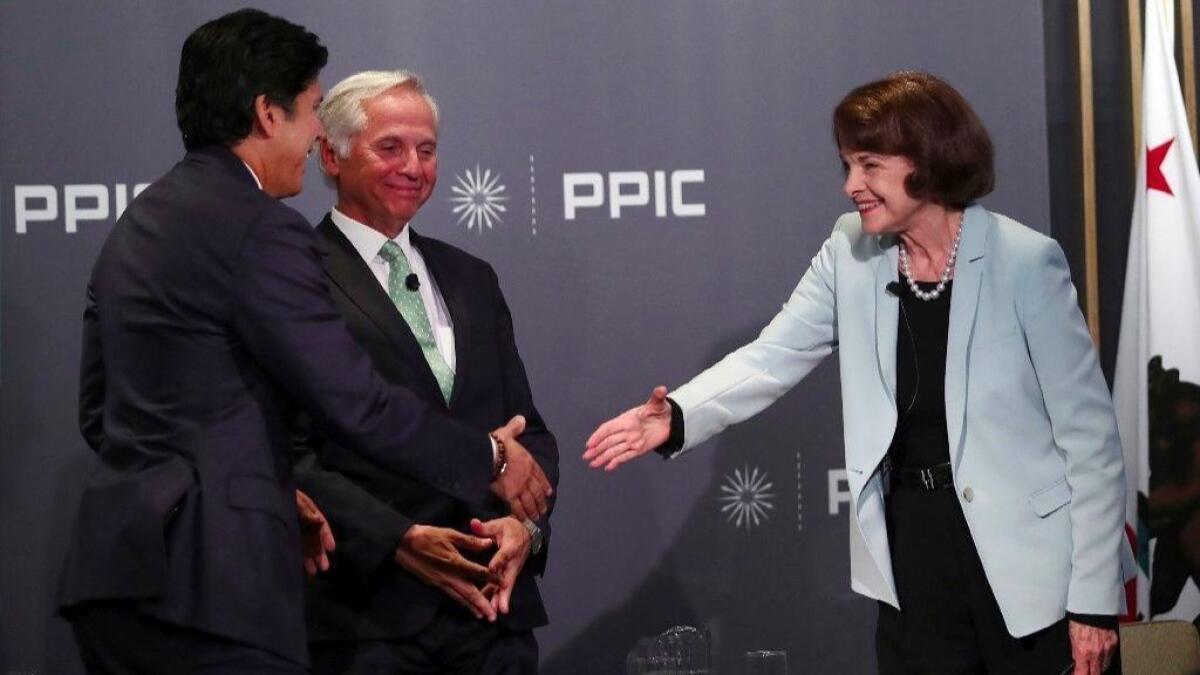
(941, 286)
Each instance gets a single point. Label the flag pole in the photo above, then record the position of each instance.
(1188, 36)
(1135, 75)
(1088, 159)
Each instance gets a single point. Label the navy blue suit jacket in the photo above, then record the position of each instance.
(366, 596)
(208, 321)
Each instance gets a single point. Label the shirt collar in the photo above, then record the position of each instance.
(366, 240)
(252, 174)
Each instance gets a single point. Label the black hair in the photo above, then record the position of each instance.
(226, 63)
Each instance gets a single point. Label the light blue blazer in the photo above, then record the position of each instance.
(1036, 458)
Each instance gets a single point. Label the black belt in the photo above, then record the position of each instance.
(936, 477)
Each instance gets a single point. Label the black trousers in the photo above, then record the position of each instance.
(949, 622)
(114, 638)
(455, 643)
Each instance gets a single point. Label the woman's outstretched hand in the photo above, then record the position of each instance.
(631, 434)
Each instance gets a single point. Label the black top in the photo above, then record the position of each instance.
(920, 439)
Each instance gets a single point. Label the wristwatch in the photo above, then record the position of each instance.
(535, 536)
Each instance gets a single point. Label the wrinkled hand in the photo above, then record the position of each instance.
(1091, 647)
(433, 555)
(316, 537)
(523, 485)
(513, 544)
(631, 434)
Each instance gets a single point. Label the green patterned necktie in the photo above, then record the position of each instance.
(412, 308)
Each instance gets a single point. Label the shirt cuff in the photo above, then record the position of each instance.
(674, 441)
(1105, 621)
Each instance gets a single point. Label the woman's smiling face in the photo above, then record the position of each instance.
(876, 184)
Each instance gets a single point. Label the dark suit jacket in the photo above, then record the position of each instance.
(208, 319)
(366, 595)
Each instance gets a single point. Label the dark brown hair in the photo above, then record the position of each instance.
(919, 116)
(226, 63)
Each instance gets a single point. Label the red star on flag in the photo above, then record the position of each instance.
(1155, 180)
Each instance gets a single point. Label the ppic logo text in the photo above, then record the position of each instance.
(83, 202)
(629, 189)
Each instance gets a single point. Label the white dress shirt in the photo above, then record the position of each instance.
(368, 242)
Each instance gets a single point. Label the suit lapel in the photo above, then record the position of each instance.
(887, 313)
(454, 295)
(347, 270)
(964, 305)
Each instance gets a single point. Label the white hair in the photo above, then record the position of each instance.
(342, 111)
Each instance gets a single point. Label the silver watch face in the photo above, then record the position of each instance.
(535, 536)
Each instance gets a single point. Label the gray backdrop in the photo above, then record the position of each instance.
(738, 93)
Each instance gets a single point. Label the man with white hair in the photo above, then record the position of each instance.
(402, 597)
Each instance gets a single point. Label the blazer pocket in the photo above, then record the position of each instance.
(120, 546)
(258, 493)
(1050, 499)
(266, 518)
(166, 487)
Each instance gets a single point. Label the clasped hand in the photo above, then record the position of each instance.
(523, 484)
(435, 556)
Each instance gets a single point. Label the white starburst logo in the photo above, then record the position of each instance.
(747, 497)
(480, 199)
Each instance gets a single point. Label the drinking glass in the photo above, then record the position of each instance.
(766, 662)
(687, 649)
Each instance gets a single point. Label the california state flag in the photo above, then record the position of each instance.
(1158, 358)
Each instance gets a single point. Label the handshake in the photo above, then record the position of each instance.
(518, 479)
(435, 554)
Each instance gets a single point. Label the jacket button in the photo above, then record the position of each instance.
(968, 494)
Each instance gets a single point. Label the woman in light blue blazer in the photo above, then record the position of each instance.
(985, 471)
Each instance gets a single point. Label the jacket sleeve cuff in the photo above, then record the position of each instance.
(675, 440)
(1106, 621)
(365, 555)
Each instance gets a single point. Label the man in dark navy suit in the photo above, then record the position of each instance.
(434, 320)
(208, 322)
